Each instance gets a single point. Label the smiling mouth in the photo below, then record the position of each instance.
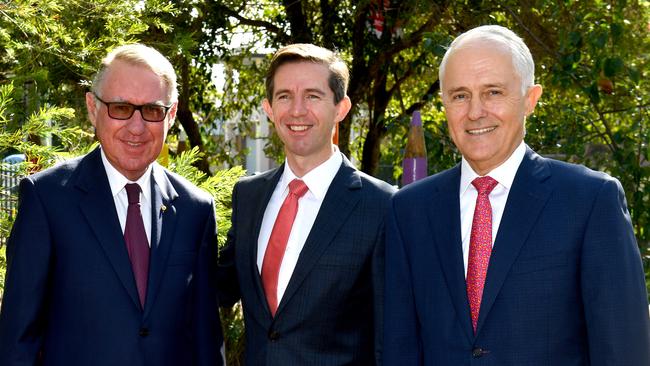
(133, 144)
(481, 131)
(297, 128)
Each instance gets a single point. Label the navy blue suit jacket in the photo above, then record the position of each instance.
(330, 313)
(70, 296)
(564, 286)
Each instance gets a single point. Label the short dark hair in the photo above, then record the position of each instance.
(305, 52)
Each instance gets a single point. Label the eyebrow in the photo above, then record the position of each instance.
(309, 90)
(486, 86)
(457, 89)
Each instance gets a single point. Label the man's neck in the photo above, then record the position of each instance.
(302, 165)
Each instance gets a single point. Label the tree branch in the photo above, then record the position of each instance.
(642, 106)
(253, 22)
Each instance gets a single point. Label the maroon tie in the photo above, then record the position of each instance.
(136, 240)
(480, 245)
(278, 242)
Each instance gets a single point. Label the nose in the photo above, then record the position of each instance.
(476, 109)
(136, 124)
(298, 107)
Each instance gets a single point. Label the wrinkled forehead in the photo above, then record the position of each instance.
(474, 63)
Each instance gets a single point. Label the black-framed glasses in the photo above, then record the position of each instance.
(124, 110)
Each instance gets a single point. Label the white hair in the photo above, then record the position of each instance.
(140, 55)
(522, 60)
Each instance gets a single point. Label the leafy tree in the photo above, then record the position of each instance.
(591, 59)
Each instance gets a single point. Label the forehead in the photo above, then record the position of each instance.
(132, 82)
(295, 75)
(476, 65)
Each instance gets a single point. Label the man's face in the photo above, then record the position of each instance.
(484, 105)
(130, 145)
(304, 113)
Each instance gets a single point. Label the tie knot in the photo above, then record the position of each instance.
(133, 192)
(298, 188)
(484, 185)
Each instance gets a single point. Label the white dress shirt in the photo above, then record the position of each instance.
(117, 182)
(504, 174)
(318, 181)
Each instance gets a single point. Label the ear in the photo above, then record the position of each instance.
(343, 108)
(91, 106)
(172, 113)
(266, 105)
(532, 96)
(171, 116)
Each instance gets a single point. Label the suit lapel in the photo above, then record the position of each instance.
(163, 226)
(526, 199)
(99, 201)
(341, 198)
(444, 217)
(258, 201)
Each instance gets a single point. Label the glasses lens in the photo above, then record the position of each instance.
(120, 110)
(153, 112)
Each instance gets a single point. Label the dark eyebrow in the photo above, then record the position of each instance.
(316, 91)
(309, 90)
(280, 91)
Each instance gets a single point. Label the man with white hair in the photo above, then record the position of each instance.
(112, 258)
(509, 258)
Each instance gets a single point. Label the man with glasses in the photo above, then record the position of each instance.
(111, 259)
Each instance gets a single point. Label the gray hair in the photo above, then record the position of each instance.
(140, 55)
(522, 60)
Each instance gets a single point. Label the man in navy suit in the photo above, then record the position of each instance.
(509, 258)
(313, 297)
(97, 276)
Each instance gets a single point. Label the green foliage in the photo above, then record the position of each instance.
(218, 185)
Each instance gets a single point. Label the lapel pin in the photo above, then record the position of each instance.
(163, 208)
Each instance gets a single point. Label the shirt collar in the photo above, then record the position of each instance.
(504, 173)
(318, 180)
(117, 181)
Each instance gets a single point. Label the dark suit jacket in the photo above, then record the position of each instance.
(564, 286)
(330, 313)
(70, 295)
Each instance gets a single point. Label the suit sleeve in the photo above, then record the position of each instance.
(229, 292)
(613, 286)
(402, 344)
(206, 323)
(22, 320)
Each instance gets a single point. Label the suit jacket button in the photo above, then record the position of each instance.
(143, 332)
(274, 336)
(477, 352)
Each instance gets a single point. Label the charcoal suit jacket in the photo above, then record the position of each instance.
(330, 313)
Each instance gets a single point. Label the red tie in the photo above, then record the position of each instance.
(480, 245)
(278, 242)
(136, 240)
